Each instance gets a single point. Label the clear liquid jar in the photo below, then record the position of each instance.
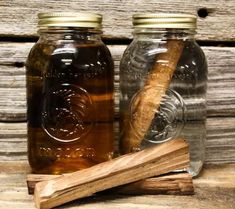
(163, 82)
(69, 94)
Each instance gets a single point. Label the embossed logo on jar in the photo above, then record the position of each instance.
(66, 113)
(65, 153)
(168, 118)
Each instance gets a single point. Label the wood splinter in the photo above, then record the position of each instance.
(125, 169)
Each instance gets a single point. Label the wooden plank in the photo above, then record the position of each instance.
(17, 167)
(220, 144)
(214, 189)
(218, 23)
(221, 84)
(221, 81)
(179, 183)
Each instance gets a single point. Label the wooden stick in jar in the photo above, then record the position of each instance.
(177, 184)
(125, 169)
(148, 100)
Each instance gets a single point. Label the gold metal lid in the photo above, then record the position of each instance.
(164, 20)
(70, 19)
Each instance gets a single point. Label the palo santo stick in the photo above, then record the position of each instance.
(125, 169)
(32, 179)
(177, 184)
(148, 100)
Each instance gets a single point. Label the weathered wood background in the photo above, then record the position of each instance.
(216, 35)
(18, 17)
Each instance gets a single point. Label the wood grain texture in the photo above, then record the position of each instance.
(221, 81)
(153, 161)
(214, 189)
(220, 144)
(218, 25)
(221, 84)
(177, 184)
(172, 183)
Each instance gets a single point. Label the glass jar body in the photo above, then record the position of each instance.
(70, 101)
(144, 77)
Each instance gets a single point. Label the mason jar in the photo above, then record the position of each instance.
(70, 88)
(163, 82)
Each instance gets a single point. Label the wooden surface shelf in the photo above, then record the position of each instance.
(215, 188)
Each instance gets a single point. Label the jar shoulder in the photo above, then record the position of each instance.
(146, 51)
(61, 53)
(193, 59)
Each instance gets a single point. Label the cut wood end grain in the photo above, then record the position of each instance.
(153, 161)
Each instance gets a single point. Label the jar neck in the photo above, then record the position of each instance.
(164, 33)
(69, 33)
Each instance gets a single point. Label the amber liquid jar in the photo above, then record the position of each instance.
(69, 95)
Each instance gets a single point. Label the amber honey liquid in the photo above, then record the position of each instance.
(70, 107)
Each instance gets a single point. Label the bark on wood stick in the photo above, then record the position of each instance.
(125, 169)
(177, 184)
(148, 100)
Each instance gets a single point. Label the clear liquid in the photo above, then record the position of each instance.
(182, 111)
